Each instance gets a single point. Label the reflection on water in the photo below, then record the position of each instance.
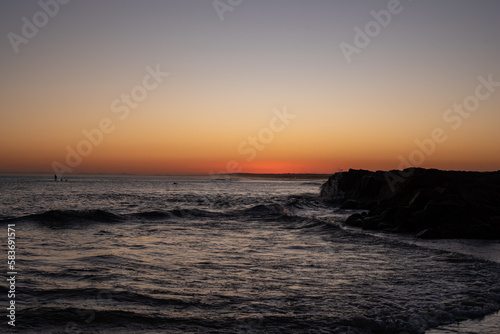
(261, 256)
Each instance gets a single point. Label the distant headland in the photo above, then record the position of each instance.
(289, 176)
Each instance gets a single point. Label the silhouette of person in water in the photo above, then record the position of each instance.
(55, 177)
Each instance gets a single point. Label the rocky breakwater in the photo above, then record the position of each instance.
(427, 202)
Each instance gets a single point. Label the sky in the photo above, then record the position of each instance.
(253, 86)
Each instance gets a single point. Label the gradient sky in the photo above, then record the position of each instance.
(227, 78)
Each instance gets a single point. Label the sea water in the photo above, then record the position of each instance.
(126, 254)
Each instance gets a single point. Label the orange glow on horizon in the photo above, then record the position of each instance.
(188, 95)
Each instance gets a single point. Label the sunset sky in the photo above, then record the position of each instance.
(271, 70)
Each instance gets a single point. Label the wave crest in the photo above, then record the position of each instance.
(70, 216)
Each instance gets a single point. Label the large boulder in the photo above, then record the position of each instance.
(360, 186)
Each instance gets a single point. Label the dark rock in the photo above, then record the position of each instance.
(389, 215)
(371, 223)
(424, 196)
(407, 226)
(355, 220)
(360, 185)
(351, 204)
(430, 202)
(429, 233)
(441, 212)
(383, 226)
(402, 214)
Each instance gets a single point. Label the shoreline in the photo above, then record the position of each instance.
(488, 324)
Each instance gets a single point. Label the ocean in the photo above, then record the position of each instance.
(128, 254)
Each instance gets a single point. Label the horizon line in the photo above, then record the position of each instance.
(238, 174)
